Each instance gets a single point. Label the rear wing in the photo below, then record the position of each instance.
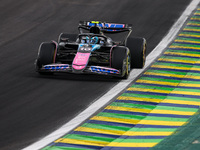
(105, 27)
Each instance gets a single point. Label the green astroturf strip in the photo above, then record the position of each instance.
(173, 65)
(182, 51)
(142, 96)
(195, 66)
(166, 119)
(187, 90)
(185, 45)
(195, 17)
(160, 79)
(106, 127)
(183, 98)
(177, 108)
(130, 105)
(120, 116)
(152, 129)
(88, 138)
(190, 82)
(188, 39)
(63, 148)
(166, 72)
(179, 58)
(189, 27)
(152, 87)
(170, 81)
(194, 22)
(137, 140)
(190, 33)
(193, 74)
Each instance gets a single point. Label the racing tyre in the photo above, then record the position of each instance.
(137, 47)
(67, 37)
(46, 55)
(120, 59)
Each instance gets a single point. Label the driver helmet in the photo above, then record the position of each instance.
(94, 40)
(87, 39)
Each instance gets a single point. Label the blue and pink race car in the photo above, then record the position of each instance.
(99, 48)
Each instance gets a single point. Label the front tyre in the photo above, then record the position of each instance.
(46, 55)
(137, 48)
(121, 60)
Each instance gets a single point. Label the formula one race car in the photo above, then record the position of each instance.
(93, 51)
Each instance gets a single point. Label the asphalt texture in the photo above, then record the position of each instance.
(32, 106)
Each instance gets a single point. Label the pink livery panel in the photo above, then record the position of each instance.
(80, 60)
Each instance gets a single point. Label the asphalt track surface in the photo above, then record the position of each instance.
(32, 106)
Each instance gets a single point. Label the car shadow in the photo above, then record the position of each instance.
(79, 77)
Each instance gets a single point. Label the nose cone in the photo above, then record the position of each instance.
(78, 67)
(80, 61)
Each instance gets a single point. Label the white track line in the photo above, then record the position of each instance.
(99, 103)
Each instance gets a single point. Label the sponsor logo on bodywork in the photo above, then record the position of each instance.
(104, 70)
(56, 67)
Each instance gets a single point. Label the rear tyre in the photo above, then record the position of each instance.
(67, 37)
(137, 47)
(120, 59)
(46, 55)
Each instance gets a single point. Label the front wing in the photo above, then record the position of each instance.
(88, 69)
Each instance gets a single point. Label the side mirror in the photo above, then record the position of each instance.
(64, 39)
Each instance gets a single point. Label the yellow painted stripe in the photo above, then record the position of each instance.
(82, 142)
(185, 93)
(136, 133)
(189, 35)
(196, 13)
(157, 82)
(182, 54)
(150, 122)
(102, 131)
(177, 60)
(189, 85)
(172, 112)
(164, 74)
(140, 99)
(175, 67)
(172, 75)
(118, 120)
(196, 69)
(187, 41)
(148, 90)
(196, 24)
(187, 29)
(185, 47)
(128, 109)
(115, 144)
(195, 19)
(157, 111)
(171, 67)
(181, 102)
(192, 77)
(170, 84)
(167, 123)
